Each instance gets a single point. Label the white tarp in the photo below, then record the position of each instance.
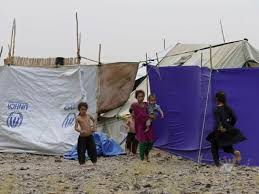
(88, 77)
(38, 107)
(230, 55)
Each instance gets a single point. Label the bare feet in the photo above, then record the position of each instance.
(237, 156)
(147, 159)
(146, 130)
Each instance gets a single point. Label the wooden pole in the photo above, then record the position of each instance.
(157, 59)
(210, 57)
(98, 94)
(14, 35)
(78, 39)
(222, 32)
(99, 54)
(89, 59)
(1, 51)
(11, 44)
(79, 45)
(147, 75)
(201, 59)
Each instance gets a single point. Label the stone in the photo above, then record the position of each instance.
(24, 168)
(208, 185)
(147, 185)
(136, 186)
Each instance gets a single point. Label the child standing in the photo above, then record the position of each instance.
(153, 109)
(140, 117)
(85, 139)
(131, 142)
(225, 135)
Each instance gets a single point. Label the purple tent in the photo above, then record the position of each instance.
(183, 95)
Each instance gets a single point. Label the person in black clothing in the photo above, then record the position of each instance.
(225, 135)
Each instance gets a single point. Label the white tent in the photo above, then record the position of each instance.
(229, 55)
(234, 54)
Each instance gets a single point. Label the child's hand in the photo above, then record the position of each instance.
(152, 116)
(221, 129)
(94, 128)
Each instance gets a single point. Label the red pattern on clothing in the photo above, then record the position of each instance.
(140, 117)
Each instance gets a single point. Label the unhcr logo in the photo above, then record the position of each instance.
(17, 106)
(69, 120)
(14, 120)
(69, 107)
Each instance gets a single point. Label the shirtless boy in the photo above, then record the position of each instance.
(85, 139)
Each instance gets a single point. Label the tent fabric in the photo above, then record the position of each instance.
(38, 109)
(234, 54)
(230, 55)
(182, 94)
(113, 127)
(104, 146)
(116, 84)
(124, 109)
(88, 81)
(38, 105)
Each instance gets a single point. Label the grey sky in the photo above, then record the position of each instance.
(127, 29)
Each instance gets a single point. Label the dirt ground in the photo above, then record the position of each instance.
(26, 173)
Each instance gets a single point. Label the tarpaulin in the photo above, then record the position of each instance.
(38, 108)
(182, 94)
(38, 105)
(105, 146)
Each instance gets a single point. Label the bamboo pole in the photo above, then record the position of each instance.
(89, 59)
(99, 54)
(14, 35)
(222, 31)
(98, 93)
(11, 44)
(78, 39)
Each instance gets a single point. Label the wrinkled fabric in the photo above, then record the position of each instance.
(105, 146)
(182, 93)
(141, 116)
(116, 81)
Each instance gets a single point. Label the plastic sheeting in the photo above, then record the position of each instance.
(38, 108)
(182, 94)
(105, 147)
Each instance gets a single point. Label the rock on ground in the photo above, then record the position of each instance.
(164, 174)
